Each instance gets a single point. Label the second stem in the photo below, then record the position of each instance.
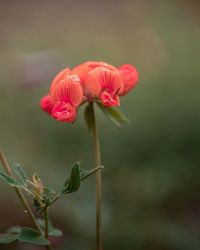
(98, 179)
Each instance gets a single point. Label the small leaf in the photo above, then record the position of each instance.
(113, 114)
(88, 116)
(10, 180)
(8, 238)
(14, 230)
(73, 184)
(37, 204)
(20, 172)
(52, 231)
(32, 236)
(47, 190)
(86, 173)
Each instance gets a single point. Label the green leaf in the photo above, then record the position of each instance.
(32, 236)
(14, 230)
(47, 190)
(20, 172)
(86, 173)
(113, 114)
(88, 116)
(36, 204)
(8, 238)
(73, 183)
(10, 180)
(52, 231)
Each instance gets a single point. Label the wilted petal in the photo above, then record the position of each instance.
(46, 104)
(64, 112)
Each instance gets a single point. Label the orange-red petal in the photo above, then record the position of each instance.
(82, 69)
(64, 112)
(130, 77)
(108, 100)
(102, 78)
(68, 90)
(46, 104)
(60, 76)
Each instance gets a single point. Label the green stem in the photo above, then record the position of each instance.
(98, 179)
(55, 199)
(47, 227)
(46, 223)
(19, 192)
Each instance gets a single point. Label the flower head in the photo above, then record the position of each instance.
(89, 81)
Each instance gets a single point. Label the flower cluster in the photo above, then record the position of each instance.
(89, 81)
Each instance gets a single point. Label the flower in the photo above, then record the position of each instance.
(101, 80)
(89, 81)
(106, 84)
(38, 186)
(65, 96)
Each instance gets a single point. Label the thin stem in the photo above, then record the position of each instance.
(98, 180)
(46, 218)
(55, 199)
(19, 192)
(46, 223)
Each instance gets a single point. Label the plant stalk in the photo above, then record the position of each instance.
(47, 227)
(19, 192)
(98, 179)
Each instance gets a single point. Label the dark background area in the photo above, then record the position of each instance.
(151, 187)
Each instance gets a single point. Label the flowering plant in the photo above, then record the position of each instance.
(89, 83)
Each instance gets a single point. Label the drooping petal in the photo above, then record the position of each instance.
(64, 112)
(104, 79)
(46, 104)
(68, 90)
(130, 77)
(60, 76)
(108, 100)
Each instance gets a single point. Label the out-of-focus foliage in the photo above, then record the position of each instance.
(151, 187)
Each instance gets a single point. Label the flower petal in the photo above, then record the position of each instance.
(102, 78)
(75, 91)
(68, 90)
(60, 76)
(82, 69)
(64, 112)
(108, 100)
(130, 77)
(46, 104)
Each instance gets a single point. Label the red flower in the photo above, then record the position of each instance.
(101, 80)
(82, 69)
(106, 84)
(65, 96)
(92, 80)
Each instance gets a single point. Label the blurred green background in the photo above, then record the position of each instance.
(151, 182)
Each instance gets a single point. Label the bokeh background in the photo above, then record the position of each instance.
(151, 182)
